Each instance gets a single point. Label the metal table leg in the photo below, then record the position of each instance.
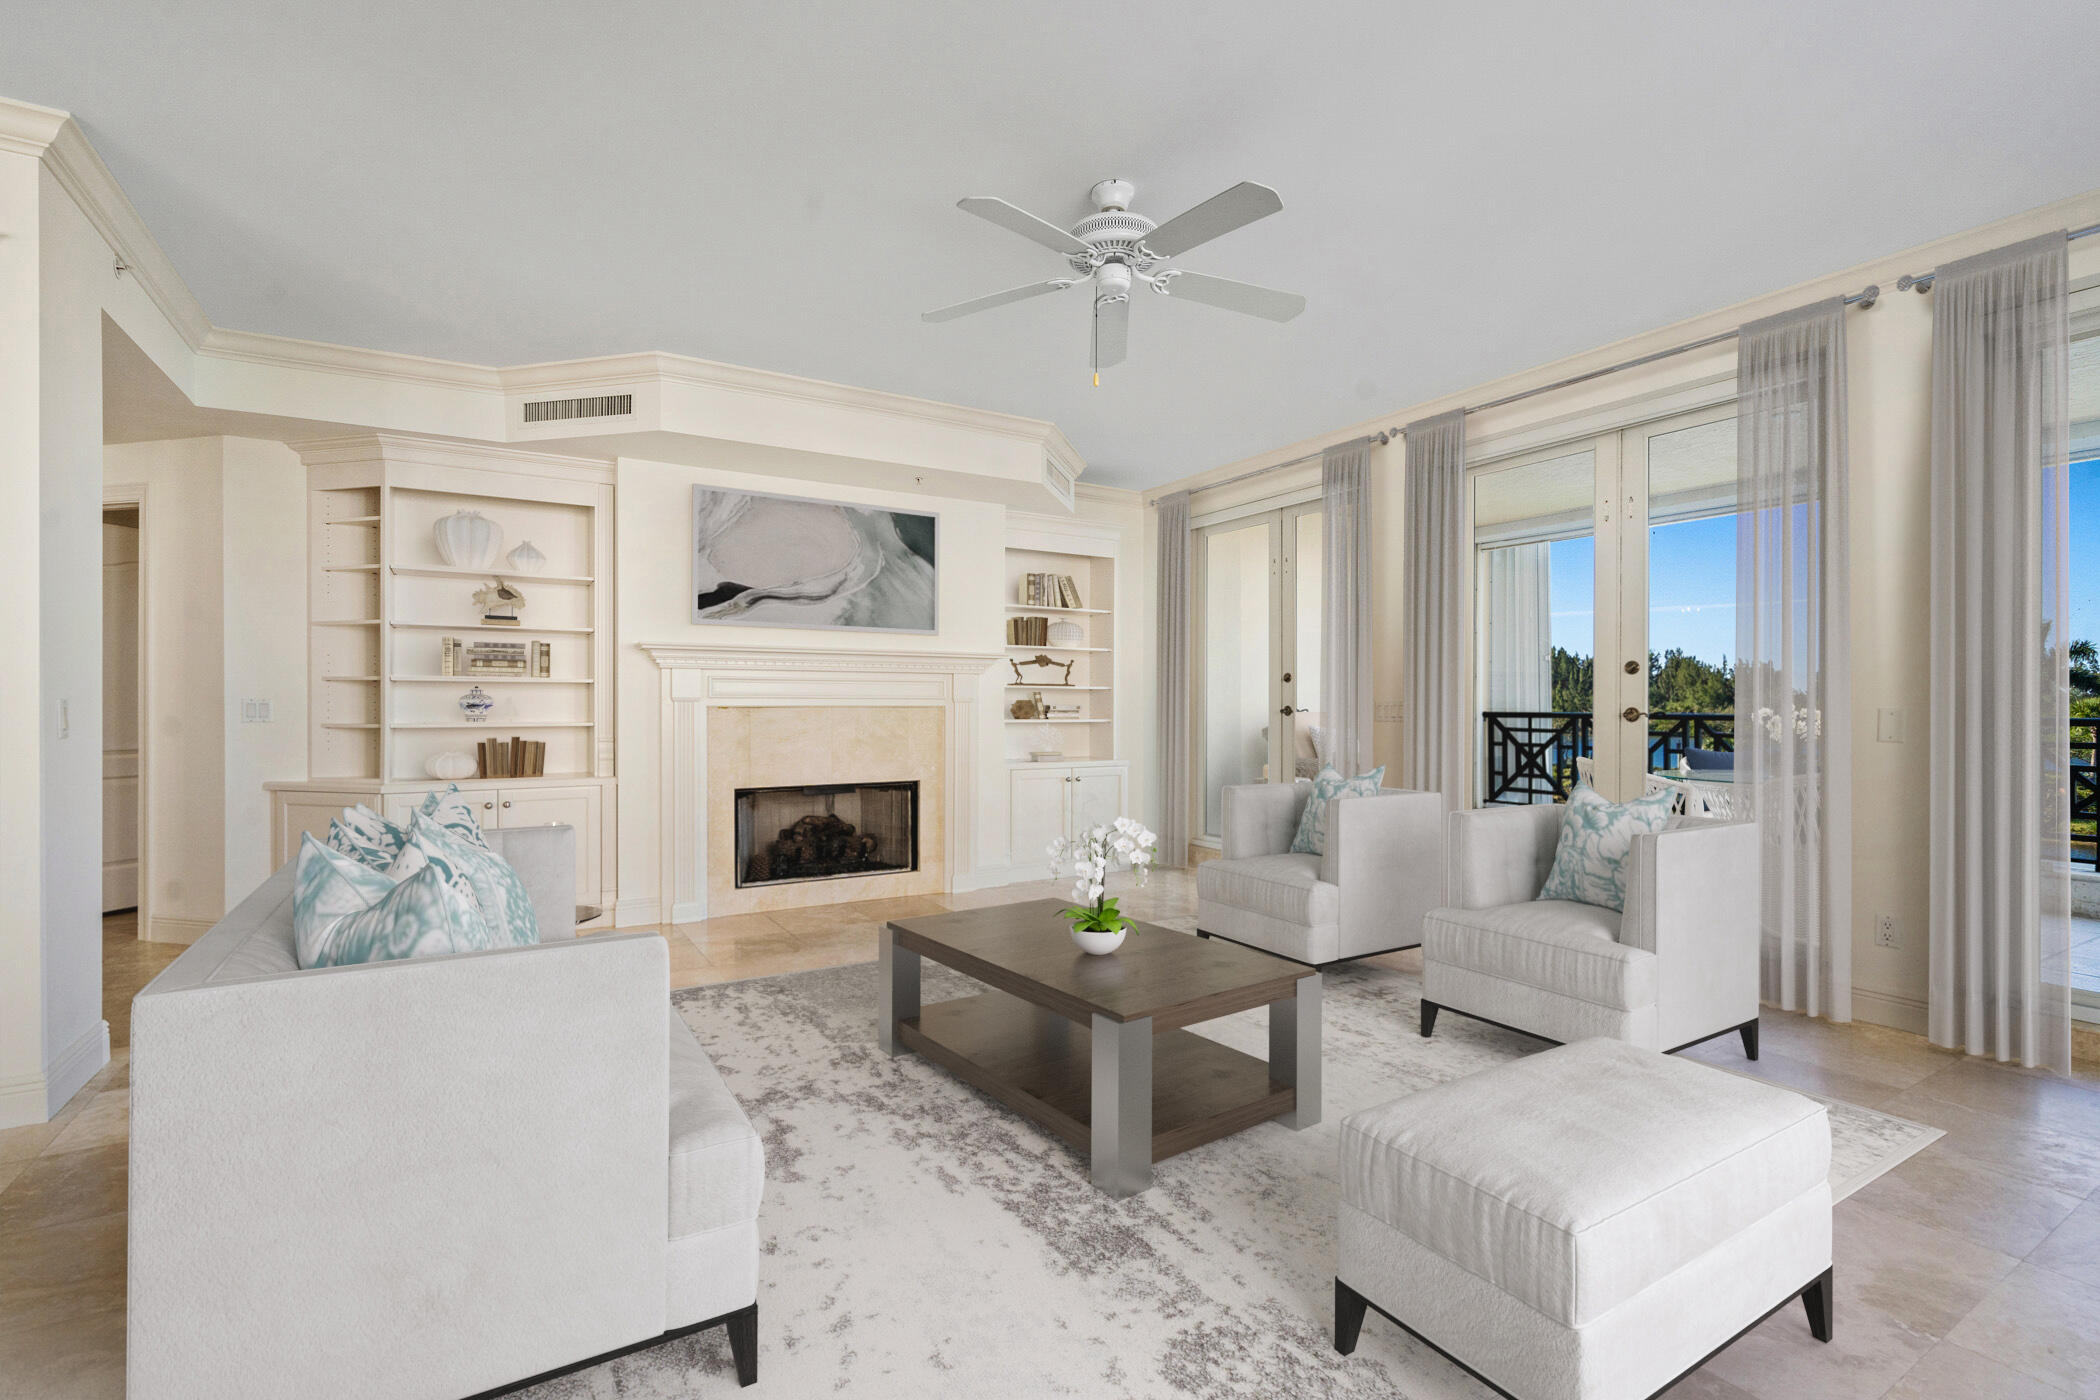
(1294, 1049)
(1122, 1105)
(900, 991)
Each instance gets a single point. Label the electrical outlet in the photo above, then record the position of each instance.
(1888, 726)
(1885, 931)
(255, 712)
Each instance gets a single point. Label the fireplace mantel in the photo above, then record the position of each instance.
(696, 678)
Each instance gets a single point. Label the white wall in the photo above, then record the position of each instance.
(223, 528)
(1889, 367)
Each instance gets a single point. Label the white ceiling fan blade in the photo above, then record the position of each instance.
(1265, 302)
(1020, 221)
(1111, 330)
(965, 308)
(1216, 216)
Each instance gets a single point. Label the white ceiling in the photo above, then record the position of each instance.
(1468, 190)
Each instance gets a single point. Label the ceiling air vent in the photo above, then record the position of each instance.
(555, 410)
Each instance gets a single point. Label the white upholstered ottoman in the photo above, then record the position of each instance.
(1589, 1223)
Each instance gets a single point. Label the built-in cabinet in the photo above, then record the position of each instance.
(384, 700)
(1051, 802)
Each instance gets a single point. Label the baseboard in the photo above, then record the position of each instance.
(991, 877)
(1885, 1009)
(23, 1101)
(75, 1066)
(688, 911)
(636, 913)
(184, 931)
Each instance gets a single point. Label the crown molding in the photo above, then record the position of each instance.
(413, 449)
(284, 352)
(55, 138)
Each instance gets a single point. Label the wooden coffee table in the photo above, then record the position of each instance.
(1093, 1048)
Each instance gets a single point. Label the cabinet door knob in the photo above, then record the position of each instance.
(506, 804)
(487, 805)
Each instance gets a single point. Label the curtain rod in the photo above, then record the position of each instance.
(1863, 299)
(1922, 285)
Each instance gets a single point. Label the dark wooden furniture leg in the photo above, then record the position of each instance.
(1821, 1301)
(1429, 1010)
(743, 1344)
(1749, 1034)
(1349, 1308)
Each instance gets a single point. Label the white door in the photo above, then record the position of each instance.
(1604, 608)
(1039, 812)
(1257, 671)
(120, 715)
(1097, 798)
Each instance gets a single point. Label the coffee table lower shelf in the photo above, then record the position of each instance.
(1040, 1065)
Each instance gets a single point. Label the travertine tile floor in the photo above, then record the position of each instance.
(1971, 1272)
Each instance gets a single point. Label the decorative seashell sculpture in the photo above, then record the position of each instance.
(451, 764)
(467, 539)
(526, 559)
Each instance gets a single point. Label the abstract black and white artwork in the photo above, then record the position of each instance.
(762, 560)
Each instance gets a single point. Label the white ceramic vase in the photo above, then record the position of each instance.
(467, 539)
(526, 559)
(1098, 943)
(451, 764)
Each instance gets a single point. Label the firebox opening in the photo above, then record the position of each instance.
(825, 831)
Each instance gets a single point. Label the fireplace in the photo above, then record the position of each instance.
(825, 831)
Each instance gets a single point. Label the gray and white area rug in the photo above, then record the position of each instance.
(921, 1241)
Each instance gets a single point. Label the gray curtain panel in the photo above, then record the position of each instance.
(1173, 647)
(1435, 648)
(1516, 593)
(1999, 875)
(1345, 604)
(1793, 696)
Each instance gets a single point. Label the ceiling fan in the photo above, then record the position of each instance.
(1113, 248)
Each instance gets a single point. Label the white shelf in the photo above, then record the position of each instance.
(346, 622)
(354, 520)
(1068, 689)
(1014, 646)
(485, 627)
(350, 568)
(1088, 612)
(349, 678)
(495, 726)
(488, 680)
(326, 724)
(510, 574)
(1060, 721)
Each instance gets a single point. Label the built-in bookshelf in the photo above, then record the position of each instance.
(1060, 604)
(384, 602)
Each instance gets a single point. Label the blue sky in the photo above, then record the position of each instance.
(1691, 572)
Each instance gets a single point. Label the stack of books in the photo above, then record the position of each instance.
(1051, 711)
(1028, 631)
(1049, 591)
(529, 659)
(511, 758)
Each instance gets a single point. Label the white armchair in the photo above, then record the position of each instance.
(1678, 967)
(1382, 870)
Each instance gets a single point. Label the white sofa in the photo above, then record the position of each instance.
(1679, 966)
(432, 1177)
(1382, 870)
(1589, 1223)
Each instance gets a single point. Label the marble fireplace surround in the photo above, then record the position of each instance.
(698, 679)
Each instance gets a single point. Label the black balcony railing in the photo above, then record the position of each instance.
(1531, 753)
(2085, 792)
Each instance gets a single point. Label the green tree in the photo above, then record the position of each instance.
(1574, 681)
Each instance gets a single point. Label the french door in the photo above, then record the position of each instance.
(1604, 609)
(1257, 663)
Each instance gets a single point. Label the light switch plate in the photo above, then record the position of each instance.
(1888, 726)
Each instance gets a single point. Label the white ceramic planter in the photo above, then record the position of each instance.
(1099, 944)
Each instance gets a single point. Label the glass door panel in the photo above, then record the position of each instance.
(1302, 669)
(1534, 585)
(1679, 601)
(1237, 693)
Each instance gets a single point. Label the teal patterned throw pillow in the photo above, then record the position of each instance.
(497, 891)
(450, 809)
(1596, 836)
(366, 837)
(344, 912)
(1312, 827)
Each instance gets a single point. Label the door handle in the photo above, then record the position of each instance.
(1631, 713)
(1287, 712)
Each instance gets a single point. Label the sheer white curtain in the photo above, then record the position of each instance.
(1345, 604)
(1173, 645)
(1516, 584)
(1434, 533)
(2000, 854)
(1793, 697)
